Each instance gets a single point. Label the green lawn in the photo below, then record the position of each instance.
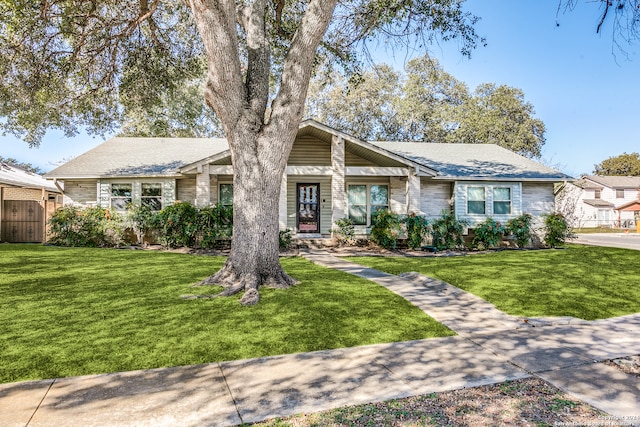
(69, 312)
(580, 281)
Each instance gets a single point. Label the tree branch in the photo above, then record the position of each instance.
(298, 63)
(259, 58)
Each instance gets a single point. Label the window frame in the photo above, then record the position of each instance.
(220, 185)
(127, 200)
(619, 193)
(597, 194)
(509, 201)
(484, 200)
(147, 198)
(369, 206)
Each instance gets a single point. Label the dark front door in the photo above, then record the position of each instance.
(22, 221)
(308, 208)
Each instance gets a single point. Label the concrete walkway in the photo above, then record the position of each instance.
(491, 347)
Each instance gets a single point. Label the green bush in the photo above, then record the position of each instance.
(417, 227)
(284, 239)
(178, 225)
(556, 230)
(214, 225)
(86, 227)
(344, 231)
(488, 234)
(446, 231)
(520, 228)
(142, 220)
(385, 229)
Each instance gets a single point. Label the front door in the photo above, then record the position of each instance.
(308, 218)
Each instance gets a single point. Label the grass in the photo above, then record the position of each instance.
(68, 312)
(580, 281)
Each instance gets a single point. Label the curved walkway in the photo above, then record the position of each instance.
(491, 347)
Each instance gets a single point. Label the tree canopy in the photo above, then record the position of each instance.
(622, 165)
(101, 64)
(425, 103)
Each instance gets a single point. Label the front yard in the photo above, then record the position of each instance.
(68, 312)
(579, 281)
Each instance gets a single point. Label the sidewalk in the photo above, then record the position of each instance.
(491, 347)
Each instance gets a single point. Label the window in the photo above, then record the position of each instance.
(476, 200)
(596, 194)
(120, 196)
(152, 196)
(379, 198)
(501, 201)
(620, 193)
(365, 200)
(226, 195)
(357, 197)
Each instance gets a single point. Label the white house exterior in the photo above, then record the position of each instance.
(330, 175)
(602, 201)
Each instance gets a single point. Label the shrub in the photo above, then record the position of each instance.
(214, 225)
(86, 227)
(520, 228)
(556, 230)
(142, 219)
(344, 231)
(385, 229)
(488, 234)
(178, 225)
(446, 231)
(284, 239)
(417, 227)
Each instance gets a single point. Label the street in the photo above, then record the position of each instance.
(613, 240)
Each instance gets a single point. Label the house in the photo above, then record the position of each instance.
(602, 201)
(330, 175)
(27, 201)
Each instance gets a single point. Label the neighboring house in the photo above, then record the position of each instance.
(330, 175)
(602, 201)
(27, 201)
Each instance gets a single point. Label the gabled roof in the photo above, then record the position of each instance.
(618, 182)
(127, 157)
(326, 133)
(474, 161)
(631, 206)
(140, 157)
(599, 203)
(585, 184)
(13, 176)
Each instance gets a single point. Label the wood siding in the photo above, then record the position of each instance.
(80, 192)
(186, 190)
(435, 197)
(351, 159)
(538, 199)
(308, 151)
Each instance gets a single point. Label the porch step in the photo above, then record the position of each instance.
(312, 243)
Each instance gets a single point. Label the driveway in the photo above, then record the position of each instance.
(612, 240)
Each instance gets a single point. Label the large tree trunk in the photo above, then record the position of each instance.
(259, 161)
(260, 141)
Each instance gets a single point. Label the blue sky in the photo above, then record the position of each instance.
(585, 91)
